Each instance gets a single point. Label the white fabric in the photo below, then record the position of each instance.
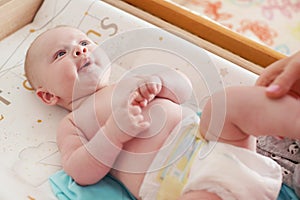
(234, 173)
(170, 154)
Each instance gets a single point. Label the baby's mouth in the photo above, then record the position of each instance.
(86, 62)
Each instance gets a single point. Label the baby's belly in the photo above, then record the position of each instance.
(139, 153)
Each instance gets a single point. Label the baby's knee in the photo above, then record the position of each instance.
(213, 115)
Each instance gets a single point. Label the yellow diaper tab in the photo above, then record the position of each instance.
(169, 171)
(173, 177)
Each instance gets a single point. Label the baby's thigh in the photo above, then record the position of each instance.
(199, 195)
(250, 110)
(163, 115)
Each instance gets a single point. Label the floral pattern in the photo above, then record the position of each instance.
(274, 23)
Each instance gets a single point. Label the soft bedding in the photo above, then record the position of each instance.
(28, 152)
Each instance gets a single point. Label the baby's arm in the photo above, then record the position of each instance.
(88, 161)
(76, 159)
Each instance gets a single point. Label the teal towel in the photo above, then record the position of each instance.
(109, 187)
(286, 193)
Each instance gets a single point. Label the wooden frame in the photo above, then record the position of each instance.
(14, 14)
(205, 33)
(209, 31)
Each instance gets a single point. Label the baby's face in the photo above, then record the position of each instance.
(67, 67)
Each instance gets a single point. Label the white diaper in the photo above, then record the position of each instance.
(234, 173)
(191, 163)
(169, 170)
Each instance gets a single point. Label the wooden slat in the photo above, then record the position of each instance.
(14, 14)
(209, 31)
(186, 35)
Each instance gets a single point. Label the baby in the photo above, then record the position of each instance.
(109, 124)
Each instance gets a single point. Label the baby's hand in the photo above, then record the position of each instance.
(128, 122)
(147, 89)
(138, 123)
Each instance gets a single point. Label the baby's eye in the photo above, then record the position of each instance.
(60, 54)
(84, 43)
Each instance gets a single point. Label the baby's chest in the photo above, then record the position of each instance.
(90, 117)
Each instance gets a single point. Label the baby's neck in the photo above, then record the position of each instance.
(73, 105)
(76, 103)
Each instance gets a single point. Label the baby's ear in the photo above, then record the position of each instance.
(46, 97)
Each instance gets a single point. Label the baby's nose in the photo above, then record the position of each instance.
(80, 50)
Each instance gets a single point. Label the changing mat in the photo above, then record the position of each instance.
(28, 152)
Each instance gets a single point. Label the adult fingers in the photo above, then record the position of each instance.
(285, 80)
(270, 73)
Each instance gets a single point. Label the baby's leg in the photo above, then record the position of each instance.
(199, 195)
(249, 112)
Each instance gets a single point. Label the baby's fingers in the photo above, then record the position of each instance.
(137, 99)
(154, 88)
(135, 110)
(154, 85)
(145, 92)
(137, 119)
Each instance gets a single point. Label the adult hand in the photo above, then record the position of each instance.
(282, 77)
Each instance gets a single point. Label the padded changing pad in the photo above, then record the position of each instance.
(28, 152)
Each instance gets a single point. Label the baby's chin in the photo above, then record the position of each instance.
(89, 81)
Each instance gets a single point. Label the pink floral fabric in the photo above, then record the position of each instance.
(275, 23)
